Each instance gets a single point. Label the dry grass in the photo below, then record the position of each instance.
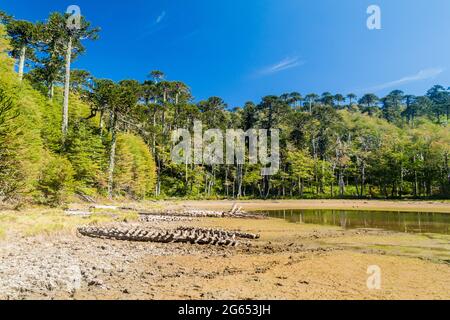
(44, 221)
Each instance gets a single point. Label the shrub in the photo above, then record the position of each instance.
(56, 181)
(135, 171)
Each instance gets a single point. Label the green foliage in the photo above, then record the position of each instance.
(21, 143)
(302, 167)
(119, 142)
(135, 171)
(10, 174)
(6, 63)
(22, 34)
(55, 182)
(87, 154)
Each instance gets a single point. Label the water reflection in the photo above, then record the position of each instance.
(409, 222)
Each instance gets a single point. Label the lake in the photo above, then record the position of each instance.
(409, 222)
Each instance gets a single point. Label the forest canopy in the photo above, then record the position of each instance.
(64, 132)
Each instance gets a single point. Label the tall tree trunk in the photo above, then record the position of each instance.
(316, 171)
(51, 91)
(23, 52)
(358, 191)
(416, 184)
(158, 176)
(154, 131)
(226, 181)
(300, 186)
(402, 178)
(363, 179)
(102, 123)
(341, 183)
(65, 124)
(112, 157)
(239, 174)
(447, 175)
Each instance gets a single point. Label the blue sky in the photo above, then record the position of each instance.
(242, 50)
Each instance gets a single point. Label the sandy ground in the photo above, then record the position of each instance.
(290, 261)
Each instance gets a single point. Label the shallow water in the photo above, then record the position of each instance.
(409, 222)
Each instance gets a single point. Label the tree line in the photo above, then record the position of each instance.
(100, 137)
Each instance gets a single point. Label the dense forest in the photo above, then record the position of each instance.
(64, 132)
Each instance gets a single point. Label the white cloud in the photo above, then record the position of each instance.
(285, 64)
(424, 74)
(160, 18)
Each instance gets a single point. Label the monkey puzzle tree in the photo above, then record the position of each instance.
(327, 99)
(441, 101)
(22, 38)
(105, 97)
(339, 98)
(81, 82)
(410, 110)
(66, 39)
(295, 98)
(119, 99)
(4, 17)
(311, 99)
(392, 105)
(351, 97)
(369, 101)
(157, 76)
(181, 91)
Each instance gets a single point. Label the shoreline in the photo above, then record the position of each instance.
(289, 261)
(258, 205)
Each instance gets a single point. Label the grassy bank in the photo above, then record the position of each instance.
(43, 221)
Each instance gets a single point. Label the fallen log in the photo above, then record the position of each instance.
(193, 213)
(184, 213)
(103, 207)
(84, 197)
(77, 213)
(156, 218)
(138, 234)
(225, 233)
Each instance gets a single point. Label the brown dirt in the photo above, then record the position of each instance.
(290, 261)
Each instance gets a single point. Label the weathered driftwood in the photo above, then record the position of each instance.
(195, 236)
(85, 197)
(103, 207)
(235, 212)
(184, 213)
(77, 213)
(154, 218)
(224, 233)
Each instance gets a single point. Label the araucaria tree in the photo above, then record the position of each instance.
(118, 100)
(23, 37)
(119, 139)
(66, 40)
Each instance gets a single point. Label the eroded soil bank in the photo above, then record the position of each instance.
(290, 261)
